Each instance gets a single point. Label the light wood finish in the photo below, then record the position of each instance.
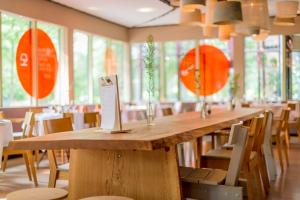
(136, 174)
(220, 159)
(217, 176)
(113, 164)
(70, 115)
(279, 135)
(2, 116)
(245, 105)
(27, 155)
(92, 119)
(165, 132)
(56, 171)
(107, 198)
(38, 194)
(36, 110)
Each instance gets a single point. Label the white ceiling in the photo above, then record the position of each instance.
(125, 12)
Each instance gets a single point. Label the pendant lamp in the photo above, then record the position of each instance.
(175, 3)
(227, 12)
(284, 21)
(263, 34)
(225, 32)
(192, 18)
(208, 25)
(286, 9)
(191, 5)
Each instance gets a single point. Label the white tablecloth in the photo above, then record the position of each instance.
(6, 135)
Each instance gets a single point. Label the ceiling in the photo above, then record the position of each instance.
(129, 12)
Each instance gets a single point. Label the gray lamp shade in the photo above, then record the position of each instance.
(263, 34)
(227, 12)
(191, 5)
(284, 21)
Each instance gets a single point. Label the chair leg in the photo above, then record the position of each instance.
(25, 156)
(264, 173)
(52, 179)
(4, 163)
(258, 183)
(285, 149)
(62, 156)
(278, 146)
(213, 141)
(250, 183)
(287, 138)
(32, 167)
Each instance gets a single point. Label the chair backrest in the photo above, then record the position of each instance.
(234, 127)
(261, 135)
(245, 105)
(36, 110)
(283, 121)
(2, 115)
(69, 115)
(92, 119)
(254, 129)
(56, 126)
(239, 142)
(291, 106)
(28, 124)
(167, 111)
(268, 128)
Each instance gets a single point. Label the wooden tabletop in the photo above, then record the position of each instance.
(165, 132)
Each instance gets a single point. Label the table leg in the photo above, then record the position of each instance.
(137, 174)
(197, 144)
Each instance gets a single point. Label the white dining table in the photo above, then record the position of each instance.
(6, 134)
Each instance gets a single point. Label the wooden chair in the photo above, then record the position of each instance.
(38, 194)
(2, 116)
(70, 115)
(220, 158)
(92, 119)
(245, 105)
(167, 111)
(27, 155)
(279, 132)
(211, 183)
(36, 110)
(107, 198)
(57, 171)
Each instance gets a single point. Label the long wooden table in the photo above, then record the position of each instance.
(142, 164)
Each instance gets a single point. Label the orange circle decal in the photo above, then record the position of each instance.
(214, 70)
(43, 79)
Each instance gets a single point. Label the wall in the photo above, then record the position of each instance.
(54, 13)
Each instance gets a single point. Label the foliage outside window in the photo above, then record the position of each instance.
(263, 69)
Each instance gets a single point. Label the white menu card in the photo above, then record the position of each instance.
(110, 104)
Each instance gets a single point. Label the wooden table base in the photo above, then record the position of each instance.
(137, 174)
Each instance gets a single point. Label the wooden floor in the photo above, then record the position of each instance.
(287, 185)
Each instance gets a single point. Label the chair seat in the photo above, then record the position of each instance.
(38, 194)
(202, 175)
(107, 198)
(64, 167)
(224, 154)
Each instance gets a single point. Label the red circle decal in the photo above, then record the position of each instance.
(214, 70)
(46, 63)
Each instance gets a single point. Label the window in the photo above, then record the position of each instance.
(95, 56)
(13, 28)
(263, 69)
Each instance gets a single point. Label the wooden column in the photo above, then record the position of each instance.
(143, 175)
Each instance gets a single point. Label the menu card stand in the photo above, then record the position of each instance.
(111, 121)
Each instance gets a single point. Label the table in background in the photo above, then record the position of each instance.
(6, 135)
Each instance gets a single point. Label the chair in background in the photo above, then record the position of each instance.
(57, 171)
(92, 119)
(208, 183)
(220, 158)
(245, 105)
(27, 155)
(167, 111)
(70, 115)
(36, 110)
(279, 131)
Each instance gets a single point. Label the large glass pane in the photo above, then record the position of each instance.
(13, 27)
(60, 92)
(99, 47)
(296, 75)
(81, 83)
(136, 71)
